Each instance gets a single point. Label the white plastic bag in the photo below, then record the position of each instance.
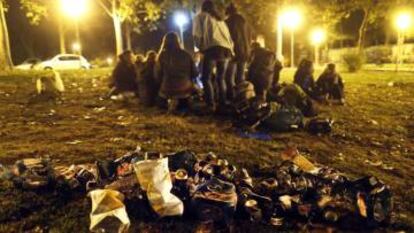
(52, 82)
(154, 178)
(108, 212)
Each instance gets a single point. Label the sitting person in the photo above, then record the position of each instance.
(330, 85)
(304, 77)
(263, 71)
(175, 70)
(147, 83)
(293, 95)
(123, 77)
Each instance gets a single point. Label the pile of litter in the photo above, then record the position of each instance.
(212, 191)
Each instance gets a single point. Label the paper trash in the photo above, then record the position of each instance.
(154, 178)
(108, 212)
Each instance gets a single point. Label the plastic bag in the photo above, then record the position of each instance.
(108, 211)
(154, 178)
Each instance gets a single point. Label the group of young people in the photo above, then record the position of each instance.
(226, 62)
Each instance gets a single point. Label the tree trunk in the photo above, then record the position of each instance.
(363, 31)
(5, 55)
(118, 35)
(62, 45)
(128, 35)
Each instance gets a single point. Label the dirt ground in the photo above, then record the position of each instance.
(373, 135)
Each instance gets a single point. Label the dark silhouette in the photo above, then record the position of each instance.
(175, 70)
(304, 77)
(241, 36)
(123, 77)
(330, 85)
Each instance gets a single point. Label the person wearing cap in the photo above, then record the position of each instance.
(241, 36)
(212, 38)
(330, 85)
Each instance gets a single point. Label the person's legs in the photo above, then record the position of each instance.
(208, 66)
(220, 75)
(260, 93)
(240, 73)
(230, 76)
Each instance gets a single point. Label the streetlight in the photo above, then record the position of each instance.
(76, 47)
(181, 19)
(317, 37)
(74, 9)
(291, 18)
(109, 60)
(403, 22)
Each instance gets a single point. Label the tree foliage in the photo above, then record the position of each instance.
(36, 10)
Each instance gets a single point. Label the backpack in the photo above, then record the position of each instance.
(252, 115)
(319, 126)
(285, 119)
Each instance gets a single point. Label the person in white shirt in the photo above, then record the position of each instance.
(212, 38)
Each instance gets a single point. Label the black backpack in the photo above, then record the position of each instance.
(285, 119)
(319, 126)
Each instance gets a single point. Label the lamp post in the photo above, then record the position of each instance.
(181, 19)
(403, 21)
(76, 47)
(317, 37)
(291, 19)
(279, 38)
(75, 9)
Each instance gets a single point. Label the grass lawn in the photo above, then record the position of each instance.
(376, 124)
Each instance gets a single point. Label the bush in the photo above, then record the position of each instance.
(378, 55)
(353, 61)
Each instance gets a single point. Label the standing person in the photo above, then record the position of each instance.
(175, 70)
(240, 34)
(330, 85)
(123, 77)
(147, 83)
(304, 77)
(212, 37)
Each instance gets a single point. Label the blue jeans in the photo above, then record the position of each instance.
(207, 79)
(235, 75)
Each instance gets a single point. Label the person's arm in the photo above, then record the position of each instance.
(193, 68)
(158, 71)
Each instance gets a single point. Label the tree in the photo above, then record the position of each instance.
(133, 13)
(36, 10)
(328, 14)
(5, 55)
(371, 11)
(145, 18)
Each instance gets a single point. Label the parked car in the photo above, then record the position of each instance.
(28, 64)
(64, 62)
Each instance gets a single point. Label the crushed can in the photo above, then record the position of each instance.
(215, 200)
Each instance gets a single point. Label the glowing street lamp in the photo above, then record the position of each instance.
(317, 37)
(403, 21)
(109, 60)
(181, 19)
(74, 9)
(291, 19)
(76, 47)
